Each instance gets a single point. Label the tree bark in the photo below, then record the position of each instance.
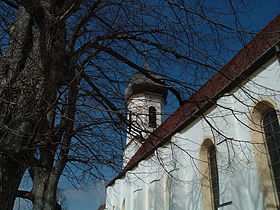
(30, 74)
(14, 123)
(10, 176)
(44, 190)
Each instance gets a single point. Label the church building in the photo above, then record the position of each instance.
(219, 150)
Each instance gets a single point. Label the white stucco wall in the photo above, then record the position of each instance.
(140, 120)
(170, 179)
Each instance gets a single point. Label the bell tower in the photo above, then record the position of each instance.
(145, 100)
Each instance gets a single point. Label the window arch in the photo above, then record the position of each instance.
(271, 130)
(152, 117)
(263, 123)
(150, 198)
(166, 189)
(210, 176)
(123, 205)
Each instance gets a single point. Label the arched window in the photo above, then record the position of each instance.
(166, 190)
(152, 117)
(263, 123)
(214, 176)
(123, 205)
(272, 137)
(209, 175)
(150, 201)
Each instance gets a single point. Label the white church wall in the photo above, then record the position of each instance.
(180, 160)
(113, 195)
(246, 191)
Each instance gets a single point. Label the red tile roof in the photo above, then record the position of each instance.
(244, 63)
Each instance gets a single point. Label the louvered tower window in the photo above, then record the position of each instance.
(152, 117)
(214, 175)
(272, 136)
(129, 121)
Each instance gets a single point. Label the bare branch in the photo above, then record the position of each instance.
(71, 10)
(143, 71)
(10, 3)
(24, 194)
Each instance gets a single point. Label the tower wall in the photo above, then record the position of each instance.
(140, 123)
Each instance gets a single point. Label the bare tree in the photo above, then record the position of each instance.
(64, 66)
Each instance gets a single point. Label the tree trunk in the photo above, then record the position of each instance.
(31, 71)
(15, 125)
(10, 176)
(44, 190)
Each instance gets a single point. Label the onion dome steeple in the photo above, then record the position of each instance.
(139, 83)
(145, 100)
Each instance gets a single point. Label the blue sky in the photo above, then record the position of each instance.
(257, 18)
(262, 14)
(91, 198)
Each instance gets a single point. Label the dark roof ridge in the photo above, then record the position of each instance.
(243, 64)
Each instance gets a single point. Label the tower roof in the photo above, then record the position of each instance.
(139, 83)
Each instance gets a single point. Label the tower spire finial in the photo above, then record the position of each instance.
(146, 65)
